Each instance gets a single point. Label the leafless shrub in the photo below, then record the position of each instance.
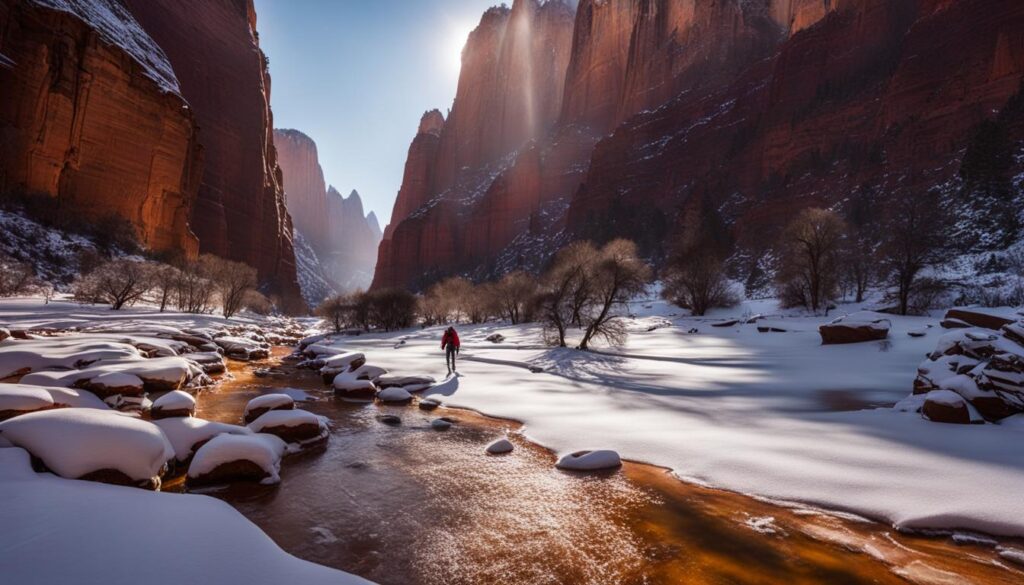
(119, 282)
(233, 281)
(809, 273)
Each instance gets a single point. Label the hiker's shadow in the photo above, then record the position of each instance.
(446, 388)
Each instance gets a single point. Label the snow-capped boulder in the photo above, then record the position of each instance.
(229, 458)
(91, 444)
(291, 426)
(428, 404)
(983, 367)
(368, 372)
(953, 323)
(918, 331)
(499, 447)
(979, 317)
(589, 460)
(410, 383)
(59, 353)
(4, 333)
(176, 403)
(442, 424)
(263, 404)
(243, 348)
(75, 398)
(947, 406)
(108, 384)
(347, 387)
(345, 361)
(18, 399)
(726, 323)
(188, 434)
(212, 362)
(856, 328)
(495, 338)
(394, 395)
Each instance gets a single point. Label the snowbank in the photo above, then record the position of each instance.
(61, 531)
(74, 442)
(71, 397)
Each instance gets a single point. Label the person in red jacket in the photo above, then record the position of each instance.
(450, 345)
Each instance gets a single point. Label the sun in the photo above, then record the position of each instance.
(456, 40)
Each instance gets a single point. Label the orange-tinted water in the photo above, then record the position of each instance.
(410, 504)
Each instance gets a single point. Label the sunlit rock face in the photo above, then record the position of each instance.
(765, 107)
(304, 186)
(449, 213)
(879, 95)
(90, 114)
(240, 212)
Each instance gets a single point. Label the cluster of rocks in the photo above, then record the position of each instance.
(79, 439)
(976, 372)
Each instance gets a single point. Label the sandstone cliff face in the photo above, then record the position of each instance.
(240, 212)
(90, 114)
(304, 186)
(343, 239)
(880, 95)
(449, 212)
(765, 107)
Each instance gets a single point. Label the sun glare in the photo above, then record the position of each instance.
(457, 37)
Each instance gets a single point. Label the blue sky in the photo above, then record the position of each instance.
(356, 75)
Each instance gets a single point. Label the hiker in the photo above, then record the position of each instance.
(450, 345)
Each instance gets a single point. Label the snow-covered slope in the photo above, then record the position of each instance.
(117, 27)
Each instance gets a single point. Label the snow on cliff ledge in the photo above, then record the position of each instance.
(117, 27)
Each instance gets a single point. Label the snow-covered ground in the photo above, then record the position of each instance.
(68, 531)
(775, 415)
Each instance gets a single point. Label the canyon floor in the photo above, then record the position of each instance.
(764, 442)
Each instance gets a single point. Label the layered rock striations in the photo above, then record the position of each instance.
(335, 228)
(240, 211)
(91, 114)
(762, 107)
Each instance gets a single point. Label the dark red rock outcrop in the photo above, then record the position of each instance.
(90, 114)
(240, 212)
(879, 95)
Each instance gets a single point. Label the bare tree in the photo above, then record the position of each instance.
(391, 308)
(233, 281)
(697, 281)
(345, 310)
(165, 283)
(119, 282)
(15, 277)
(914, 242)
(513, 294)
(194, 290)
(618, 276)
(565, 288)
(482, 303)
(809, 274)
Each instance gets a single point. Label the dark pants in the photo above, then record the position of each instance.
(449, 357)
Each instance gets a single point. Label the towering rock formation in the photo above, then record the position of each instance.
(91, 114)
(240, 212)
(350, 253)
(449, 213)
(879, 96)
(764, 107)
(342, 238)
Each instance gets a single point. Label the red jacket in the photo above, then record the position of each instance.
(450, 337)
